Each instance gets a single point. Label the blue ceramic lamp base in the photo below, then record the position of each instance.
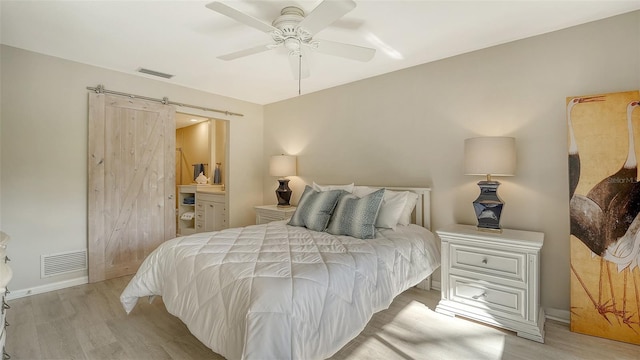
(488, 206)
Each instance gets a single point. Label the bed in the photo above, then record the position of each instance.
(279, 291)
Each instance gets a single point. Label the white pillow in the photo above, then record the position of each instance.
(393, 204)
(348, 188)
(412, 199)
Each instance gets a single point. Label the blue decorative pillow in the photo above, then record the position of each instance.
(356, 216)
(315, 208)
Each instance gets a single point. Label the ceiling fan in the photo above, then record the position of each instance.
(295, 32)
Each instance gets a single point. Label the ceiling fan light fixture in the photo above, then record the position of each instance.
(303, 35)
(294, 31)
(292, 44)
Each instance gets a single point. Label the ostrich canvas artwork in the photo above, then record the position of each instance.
(604, 191)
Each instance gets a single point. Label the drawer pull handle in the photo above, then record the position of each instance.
(484, 261)
(5, 306)
(476, 297)
(6, 259)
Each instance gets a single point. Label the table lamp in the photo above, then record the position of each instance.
(489, 156)
(281, 166)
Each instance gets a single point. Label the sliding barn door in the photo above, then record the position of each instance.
(131, 188)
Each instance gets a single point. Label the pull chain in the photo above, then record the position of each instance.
(299, 71)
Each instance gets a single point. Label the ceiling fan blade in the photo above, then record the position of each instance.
(348, 51)
(245, 52)
(240, 16)
(295, 61)
(325, 14)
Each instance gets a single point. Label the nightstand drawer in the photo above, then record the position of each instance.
(484, 295)
(268, 213)
(502, 264)
(267, 218)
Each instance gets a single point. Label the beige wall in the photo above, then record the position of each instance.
(193, 141)
(44, 153)
(408, 128)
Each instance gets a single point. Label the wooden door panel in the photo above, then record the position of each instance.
(131, 182)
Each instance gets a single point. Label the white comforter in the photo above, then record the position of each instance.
(275, 291)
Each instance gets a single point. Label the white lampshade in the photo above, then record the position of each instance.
(282, 165)
(490, 156)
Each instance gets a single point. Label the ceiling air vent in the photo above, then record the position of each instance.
(155, 73)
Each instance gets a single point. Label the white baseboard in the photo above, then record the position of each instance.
(557, 315)
(16, 294)
(435, 285)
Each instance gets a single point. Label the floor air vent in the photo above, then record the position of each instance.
(62, 263)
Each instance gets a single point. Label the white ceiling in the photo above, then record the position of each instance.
(184, 120)
(184, 38)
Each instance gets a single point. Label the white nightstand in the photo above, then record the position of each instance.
(493, 278)
(268, 213)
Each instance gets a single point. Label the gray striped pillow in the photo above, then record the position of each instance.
(356, 216)
(315, 208)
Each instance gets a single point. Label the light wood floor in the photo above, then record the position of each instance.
(88, 322)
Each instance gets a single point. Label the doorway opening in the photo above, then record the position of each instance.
(201, 173)
(201, 147)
